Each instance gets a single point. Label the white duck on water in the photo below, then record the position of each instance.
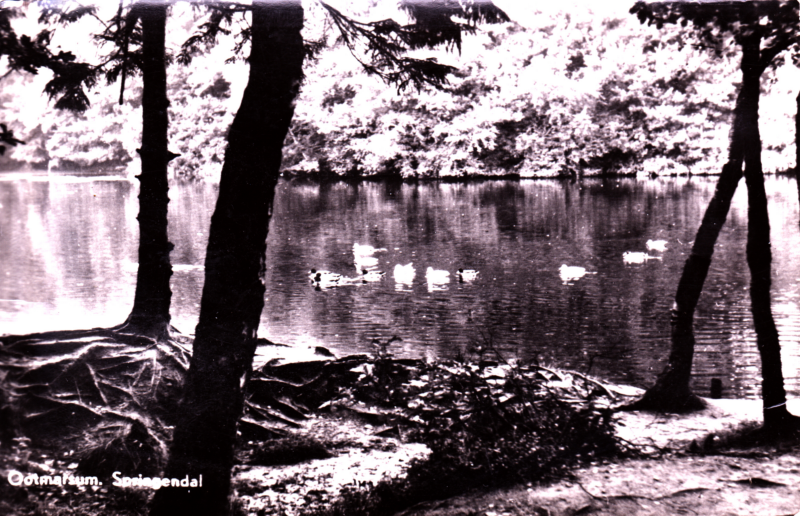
(466, 275)
(436, 279)
(437, 276)
(404, 274)
(570, 273)
(656, 245)
(364, 256)
(637, 258)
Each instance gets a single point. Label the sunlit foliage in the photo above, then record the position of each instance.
(560, 93)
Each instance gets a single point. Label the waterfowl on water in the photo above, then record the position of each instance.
(324, 277)
(437, 275)
(467, 275)
(636, 258)
(363, 256)
(570, 273)
(404, 273)
(365, 262)
(436, 279)
(366, 250)
(368, 276)
(657, 245)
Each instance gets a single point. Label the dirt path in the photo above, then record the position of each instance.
(757, 483)
(711, 485)
(761, 484)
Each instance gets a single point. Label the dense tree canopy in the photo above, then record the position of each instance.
(644, 101)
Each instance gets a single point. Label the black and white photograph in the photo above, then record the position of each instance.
(399, 257)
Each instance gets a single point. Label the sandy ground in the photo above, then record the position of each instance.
(761, 484)
(757, 482)
(360, 458)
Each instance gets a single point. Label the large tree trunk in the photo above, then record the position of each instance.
(150, 313)
(672, 393)
(233, 294)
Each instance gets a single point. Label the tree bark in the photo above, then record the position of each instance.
(150, 313)
(759, 260)
(233, 294)
(797, 144)
(672, 393)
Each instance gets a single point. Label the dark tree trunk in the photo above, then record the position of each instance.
(233, 294)
(759, 260)
(797, 144)
(672, 393)
(150, 313)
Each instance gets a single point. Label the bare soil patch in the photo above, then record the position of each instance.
(358, 450)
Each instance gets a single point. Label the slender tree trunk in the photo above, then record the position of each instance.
(233, 294)
(797, 145)
(150, 314)
(759, 260)
(672, 393)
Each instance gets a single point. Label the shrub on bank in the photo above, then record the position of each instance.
(487, 425)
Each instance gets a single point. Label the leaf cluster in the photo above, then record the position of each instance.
(638, 105)
(387, 42)
(775, 22)
(62, 13)
(477, 414)
(220, 18)
(72, 78)
(7, 138)
(434, 24)
(125, 34)
(501, 425)
(31, 54)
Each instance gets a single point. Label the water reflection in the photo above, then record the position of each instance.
(68, 260)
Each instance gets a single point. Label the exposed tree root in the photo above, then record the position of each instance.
(63, 384)
(654, 401)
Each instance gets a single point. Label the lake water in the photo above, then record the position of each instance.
(68, 248)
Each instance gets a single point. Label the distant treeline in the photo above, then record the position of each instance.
(564, 95)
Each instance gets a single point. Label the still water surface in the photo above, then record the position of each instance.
(68, 248)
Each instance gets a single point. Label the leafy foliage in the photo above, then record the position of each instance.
(30, 54)
(776, 22)
(487, 424)
(58, 11)
(387, 41)
(7, 138)
(220, 17)
(560, 97)
(645, 101)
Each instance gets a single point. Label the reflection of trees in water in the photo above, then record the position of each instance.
(623, 311)
(619, 314)
(505, 198)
